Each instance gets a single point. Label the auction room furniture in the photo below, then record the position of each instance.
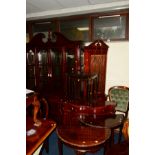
(95, 61)
(120, 95)
(73, 112)
(38, 127)
(36, 135)
(113, 122)
(36, 105)
(82, 138)
(82, 86)
(49, 60)
(123, 147)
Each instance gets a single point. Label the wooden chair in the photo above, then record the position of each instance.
(120, 95)
(123, 147)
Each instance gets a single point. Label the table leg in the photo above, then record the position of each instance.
(106, 146)
(60, 146)
(45, 146)
(120, 133)
(112, 137)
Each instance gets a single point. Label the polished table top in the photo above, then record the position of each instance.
(113, 122)
(102, 121)
(83, 138)
(39, 134)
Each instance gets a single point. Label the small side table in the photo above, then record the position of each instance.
(111, 122)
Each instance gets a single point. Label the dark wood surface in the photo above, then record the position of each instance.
(82, 86)
(82, 138)
(42, 132)
(95, 61)
(119, 149)
(99, 121)
(50, 76)
(102, 121)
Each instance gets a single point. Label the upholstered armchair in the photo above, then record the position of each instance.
(120, 95)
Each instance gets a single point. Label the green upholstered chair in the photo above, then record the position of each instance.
(120, 95)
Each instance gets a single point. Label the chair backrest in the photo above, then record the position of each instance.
(120, 95)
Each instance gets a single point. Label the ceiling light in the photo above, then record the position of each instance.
(108, 16)
(44, 23)
(83, 28)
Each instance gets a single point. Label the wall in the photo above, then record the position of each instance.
(117, 64)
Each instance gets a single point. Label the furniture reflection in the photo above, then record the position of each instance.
(35, 135)
(82, 86)
(95, 60)
(120, 95)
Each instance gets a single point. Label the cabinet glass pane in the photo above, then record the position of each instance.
(75, 29)
(27, 38)
(30, 70)
(56, 63)
(109, 28)
(27, 34)
(70, 62)
(44, 27)
(43, 63)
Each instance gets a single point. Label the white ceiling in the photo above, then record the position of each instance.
(41, 9)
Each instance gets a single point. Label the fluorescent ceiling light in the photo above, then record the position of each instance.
(83, 28)
(44, 23)
(109, 16)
